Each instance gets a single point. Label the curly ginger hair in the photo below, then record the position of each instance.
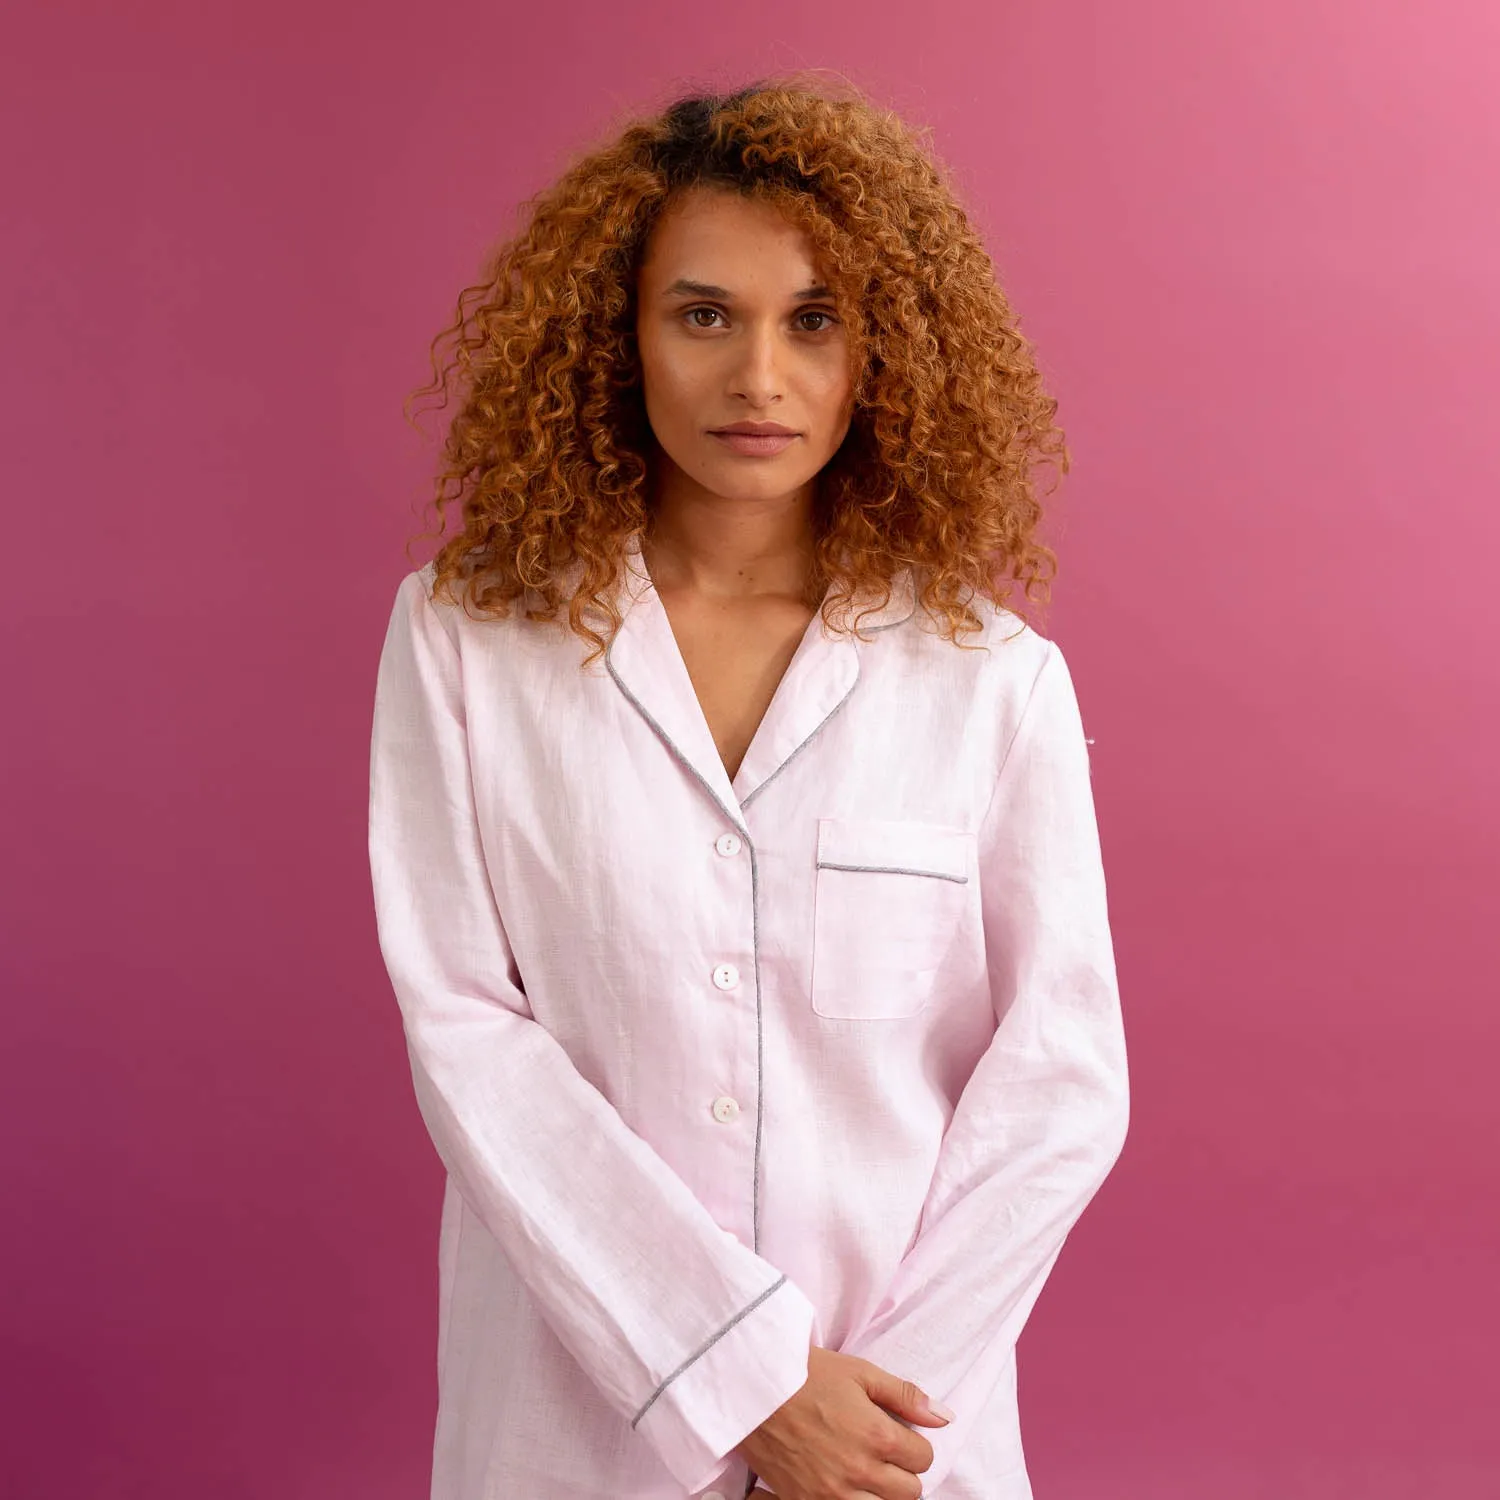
(547, 451)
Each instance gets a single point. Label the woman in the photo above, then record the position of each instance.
(755, 969)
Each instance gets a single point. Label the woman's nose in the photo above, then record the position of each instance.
(757, 374)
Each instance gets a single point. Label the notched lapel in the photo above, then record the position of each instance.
(818, 680)
(647, 665)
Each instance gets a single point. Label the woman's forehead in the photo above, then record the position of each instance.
(709, 234)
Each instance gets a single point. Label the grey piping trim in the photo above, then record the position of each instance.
(745, 802)
(760, 1039)
(698, 1354)
(803, 746)
(826, 864)
(889, 624)
(736, 819)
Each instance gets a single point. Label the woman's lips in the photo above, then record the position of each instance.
(757, 445)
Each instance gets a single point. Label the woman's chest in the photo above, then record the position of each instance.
(843, 875)
(735, 658)
(619, 764)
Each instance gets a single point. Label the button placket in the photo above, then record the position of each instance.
(725, 1109)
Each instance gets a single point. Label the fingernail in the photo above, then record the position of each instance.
(939, 1410)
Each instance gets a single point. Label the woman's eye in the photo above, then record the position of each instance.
(701, 318)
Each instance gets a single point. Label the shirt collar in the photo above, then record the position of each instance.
(647, 665)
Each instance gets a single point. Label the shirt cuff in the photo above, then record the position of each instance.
(755, 1364)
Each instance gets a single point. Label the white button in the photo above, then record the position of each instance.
(726, 976)
(725, 1109)
(712, 1495)
(726, 843)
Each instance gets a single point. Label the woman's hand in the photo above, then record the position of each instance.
(838, 1437)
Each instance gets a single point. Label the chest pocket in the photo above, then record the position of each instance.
(890, 901)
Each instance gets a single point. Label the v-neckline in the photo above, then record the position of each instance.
(771, 706)
(647, 663)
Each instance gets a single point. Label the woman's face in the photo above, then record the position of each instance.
(734, 325)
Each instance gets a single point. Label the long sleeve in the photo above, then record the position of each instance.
(1044, 1115)
(687, 1333)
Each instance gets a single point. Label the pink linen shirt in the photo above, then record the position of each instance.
(829, 1053)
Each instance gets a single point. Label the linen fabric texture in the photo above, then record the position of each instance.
(829, 1053)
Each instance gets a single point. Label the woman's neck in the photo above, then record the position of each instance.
(723, 548)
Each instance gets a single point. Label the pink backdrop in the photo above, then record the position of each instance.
(1255, 241)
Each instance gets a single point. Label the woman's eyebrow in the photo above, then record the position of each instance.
(684, 287)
